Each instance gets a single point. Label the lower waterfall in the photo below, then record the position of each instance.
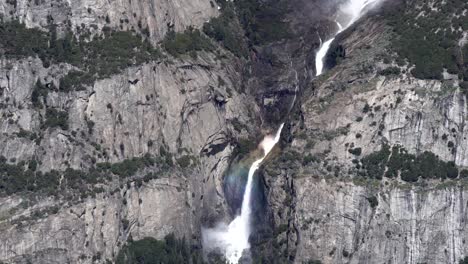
(234, 239)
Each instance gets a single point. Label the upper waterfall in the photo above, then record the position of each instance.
(347, 14)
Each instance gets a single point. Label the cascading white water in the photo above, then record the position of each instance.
(321, 54)
(235, 238)
(348, 13)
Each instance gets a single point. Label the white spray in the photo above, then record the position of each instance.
(349, 12)
(234, 239)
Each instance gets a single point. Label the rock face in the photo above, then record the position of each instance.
(175, 106)
(97, 228)
(183, 106)
(311, 204)
(337, 224)
(336, 216)
(154, 15)
(401, 109)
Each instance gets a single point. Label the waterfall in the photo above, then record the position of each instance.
(235, 238)
(321, 55)
(348, 13)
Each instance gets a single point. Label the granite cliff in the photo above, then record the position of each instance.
(96, 155)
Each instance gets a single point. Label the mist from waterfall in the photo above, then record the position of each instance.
(234, 238)
(348, 13)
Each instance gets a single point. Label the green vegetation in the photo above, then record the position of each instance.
(309, 158)
(373, 201)
(355, 151)
(104, 57)
(96, 59)
(255, 22)
(464, 84)
(150, 250)
(190, 41)
(366, 108)
(263, 21)
(238, 126)
(166, 156)
(398, 162)
(128, 167)
(185, 161)
(225, 29)
(313, 262)
(390, 71)
(244, 147)
(75, 80)
(464, 174)
(426, 39)
(23, 177)
(17, 41)
(39, 91)
(56, 118)
(375, 163)
(335, 55)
